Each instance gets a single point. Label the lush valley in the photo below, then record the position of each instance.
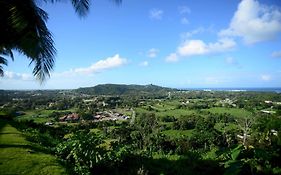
(134, 129)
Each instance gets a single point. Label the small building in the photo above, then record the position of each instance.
(48, 123)
(268, 112)
(70, 117)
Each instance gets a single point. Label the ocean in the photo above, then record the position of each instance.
(277, 90)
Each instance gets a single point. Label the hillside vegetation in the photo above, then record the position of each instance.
(119, 89)
(133, 129)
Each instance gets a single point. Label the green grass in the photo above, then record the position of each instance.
(18, 156)
(177, 113)
(95, 130)
(167, 105)
(40, 116)
(236, 112)
(178, 133)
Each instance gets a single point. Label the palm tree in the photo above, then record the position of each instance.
(23, 28)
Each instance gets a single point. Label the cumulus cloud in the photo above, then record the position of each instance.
(190, 48)
(156, 14)
(101, 65)
(276, 54)
(18, 76)
(254, 22)
(145, 63)
(184, 10)
(265, 77)
(152, 53)
(199, 47)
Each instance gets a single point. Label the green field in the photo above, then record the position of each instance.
(177, 113)
(236, 112)
(40, 116)
(18, 156)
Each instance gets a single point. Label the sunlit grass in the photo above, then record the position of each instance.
(18, 156)
(236, 112)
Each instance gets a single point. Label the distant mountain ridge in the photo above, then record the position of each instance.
(122, 89)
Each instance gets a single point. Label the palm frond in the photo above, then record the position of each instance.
(23, 28)
(1, 71)
(7, 52)
(42, 68)
(81, 7)
(3, 61)
(118, 2)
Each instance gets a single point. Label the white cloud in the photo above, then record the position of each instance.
(199, 47)
(173, 57)
(156, 14)
(145, 63)
(184, 20)
(184, 10)
(189, 34)
(192, 47)
(195, 47)
(152, 53)
(265, 77)
(108, 63)
(276, 54)
(101, 65)
(254, 22)
(18, 76)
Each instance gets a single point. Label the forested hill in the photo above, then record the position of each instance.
(120, 89)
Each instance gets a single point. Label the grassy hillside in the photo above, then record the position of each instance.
(18, 156)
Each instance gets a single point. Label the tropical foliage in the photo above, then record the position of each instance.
(23, 29)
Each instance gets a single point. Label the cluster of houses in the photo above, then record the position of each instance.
(271, 102)
(69, 117)
(98, 116)
(109, 115)
(270, 111)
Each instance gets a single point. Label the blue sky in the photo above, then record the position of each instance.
(174, 43)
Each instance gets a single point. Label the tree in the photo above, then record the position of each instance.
(23, 28)
(245, 125)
